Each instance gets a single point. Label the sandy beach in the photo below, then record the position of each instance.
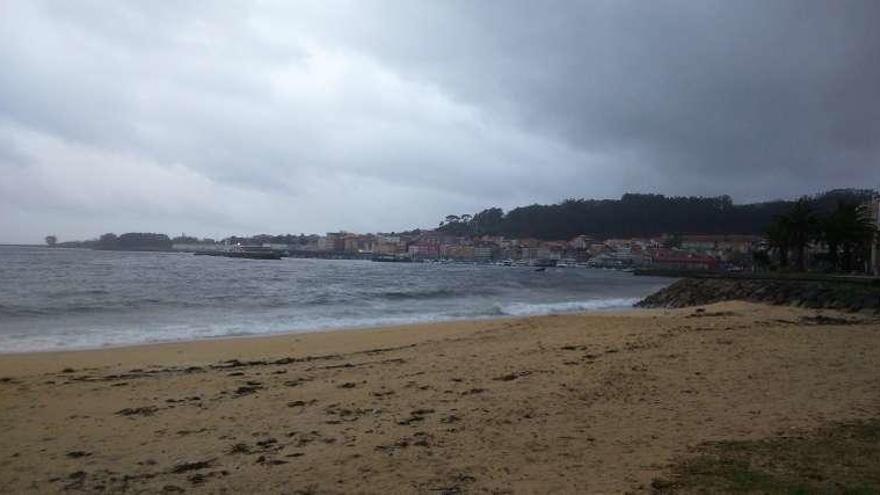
(586, 403)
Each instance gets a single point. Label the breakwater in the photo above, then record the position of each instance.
(830, 294)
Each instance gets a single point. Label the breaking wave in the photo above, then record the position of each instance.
(533, 309)
(64, 299)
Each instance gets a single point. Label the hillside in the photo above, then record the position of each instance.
(637, 215)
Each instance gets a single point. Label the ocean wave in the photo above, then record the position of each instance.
(419, 294)
(97, 337)
(533, 309)
(96, 307)
(13, 311)
(78, 293)
(349, 297)
(122, 306)
(102, 299)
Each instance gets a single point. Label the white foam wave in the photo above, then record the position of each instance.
(91, 338)
(532, 309)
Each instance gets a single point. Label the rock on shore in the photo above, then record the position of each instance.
(810, 294)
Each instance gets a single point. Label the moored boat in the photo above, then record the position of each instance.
(247, 252)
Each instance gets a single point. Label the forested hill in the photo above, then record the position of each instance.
(637, 215)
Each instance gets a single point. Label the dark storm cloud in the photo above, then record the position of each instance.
(214, 118)
(708, 96)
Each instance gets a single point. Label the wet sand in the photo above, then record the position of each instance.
(593, 403)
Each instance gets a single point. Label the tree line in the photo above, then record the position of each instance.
(640, 215)
(134, 241)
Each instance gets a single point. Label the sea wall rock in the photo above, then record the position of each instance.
(810, 294)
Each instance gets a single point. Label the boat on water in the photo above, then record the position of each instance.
(391, 258)
(246, 252)
(544, 263)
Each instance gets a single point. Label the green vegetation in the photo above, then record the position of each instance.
(135, 241)
(842, 458)
(847, 232)
(793, 231)
(640, 215)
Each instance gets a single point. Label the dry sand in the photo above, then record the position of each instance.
(597, 403)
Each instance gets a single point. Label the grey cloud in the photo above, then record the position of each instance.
(709, 91)
(389, 114)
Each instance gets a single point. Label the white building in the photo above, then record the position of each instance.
(874, 208)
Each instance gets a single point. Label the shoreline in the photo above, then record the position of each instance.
(319, 329)
(249, 346)
(244, 345)
(224, 342)
(259, 336)
(571, 403)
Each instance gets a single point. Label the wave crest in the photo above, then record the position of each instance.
(533, 309)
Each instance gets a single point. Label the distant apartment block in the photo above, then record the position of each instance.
(483, 253)
(428, 248)
(581, 242)
(729, 243)
(675, 259)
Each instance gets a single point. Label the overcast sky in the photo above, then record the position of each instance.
(214, 118)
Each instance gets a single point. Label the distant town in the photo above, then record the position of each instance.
(801, 235)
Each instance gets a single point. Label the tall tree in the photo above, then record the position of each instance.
(848, 232)
(802, 226)
(487, 221)
(108, 241)
(779, 238)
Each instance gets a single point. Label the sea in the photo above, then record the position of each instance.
(56, 299)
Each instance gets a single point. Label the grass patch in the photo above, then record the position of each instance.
(842, 458)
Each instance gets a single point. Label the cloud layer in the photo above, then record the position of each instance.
(214, 119)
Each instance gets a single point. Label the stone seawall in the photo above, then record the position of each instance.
(810, 294)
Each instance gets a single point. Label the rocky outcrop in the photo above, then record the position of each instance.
(811, 294)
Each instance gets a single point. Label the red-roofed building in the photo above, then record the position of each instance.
(682, 260)
(426, 247)
(734, 243)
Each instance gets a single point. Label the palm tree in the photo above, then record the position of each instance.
(778, 238)
(848, 229)
(802, 227)
(833, 235)
(793, 232)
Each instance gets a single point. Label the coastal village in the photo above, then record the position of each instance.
(847, 243)
(702, 252)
